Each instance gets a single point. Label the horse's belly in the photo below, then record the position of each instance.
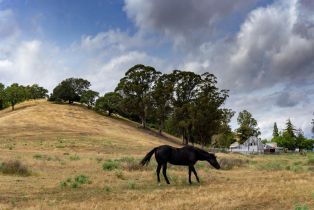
(182, 162)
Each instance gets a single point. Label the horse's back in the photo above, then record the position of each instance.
(176, 156)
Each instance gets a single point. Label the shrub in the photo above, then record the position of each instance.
(301, 207)
(227, 164)
(119, 174)
(110, 165)
(129, 163)
(82, 179)
(107, 189)
(14, 167)
(38, 156)
(75, 157)
(76, 182)
(131, 184)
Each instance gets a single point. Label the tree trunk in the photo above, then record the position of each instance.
(144, 122)
(109, 113)
(161, 127)
(12, 104)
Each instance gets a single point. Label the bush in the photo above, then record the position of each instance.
(130, 164)
(301, 207)
(227, 164)
(119, 174)
(14, 167)
(110, 165)
(75, 157)
(131, 184)
(76, 182)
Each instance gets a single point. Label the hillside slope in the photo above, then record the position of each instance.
(43, 120)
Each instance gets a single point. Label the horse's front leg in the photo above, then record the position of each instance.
(194, 171)
(164, 171)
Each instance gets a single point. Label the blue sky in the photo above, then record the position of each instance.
(261, 50)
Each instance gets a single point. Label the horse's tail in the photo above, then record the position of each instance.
(146, 159)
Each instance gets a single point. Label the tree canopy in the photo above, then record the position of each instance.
(110, 102)
(135, 89)
(248, 126)
(70, 90)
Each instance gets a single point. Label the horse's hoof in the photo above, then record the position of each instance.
(159, 184)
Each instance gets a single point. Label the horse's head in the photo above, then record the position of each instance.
(212, 159)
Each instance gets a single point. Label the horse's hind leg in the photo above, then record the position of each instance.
(194, 171)
(158, 172)
(164, 171)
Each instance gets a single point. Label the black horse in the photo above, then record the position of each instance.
(186, 156)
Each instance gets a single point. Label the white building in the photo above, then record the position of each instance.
(251, 145)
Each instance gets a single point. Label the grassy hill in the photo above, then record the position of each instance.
(78, 159)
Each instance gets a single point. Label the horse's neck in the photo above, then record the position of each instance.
(202, 155)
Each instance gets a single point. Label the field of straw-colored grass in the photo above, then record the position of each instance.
(79, 159)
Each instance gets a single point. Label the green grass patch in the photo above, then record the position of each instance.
(310, 160)
(110, 165)
(131, 184)
(301, 207)
(76, 182)
(124, 163)
(273, 166)
(74, 157)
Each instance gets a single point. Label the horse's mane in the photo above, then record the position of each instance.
(204, 153)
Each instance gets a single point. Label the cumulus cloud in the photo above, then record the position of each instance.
(184, 21)
(269, 49)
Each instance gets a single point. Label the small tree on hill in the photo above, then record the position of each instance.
(36, 92)
(2, 96)
(70, 90)
(89, 97)
(110, 102)
(14, 94)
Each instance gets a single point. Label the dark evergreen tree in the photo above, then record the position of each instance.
(275, 131)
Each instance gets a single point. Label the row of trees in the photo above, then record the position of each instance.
(183, 103)
(15, 93)
(291, 138)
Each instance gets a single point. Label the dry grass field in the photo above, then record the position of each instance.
(78, 159)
